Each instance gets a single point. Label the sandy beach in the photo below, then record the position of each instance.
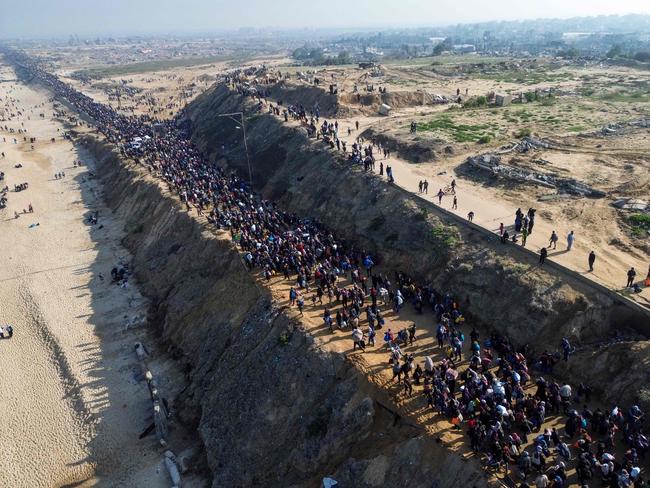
(72, 401)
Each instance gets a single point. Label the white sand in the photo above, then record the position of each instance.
(71, 408)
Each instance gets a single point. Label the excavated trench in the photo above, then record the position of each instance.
(269, 411)
(271, 405)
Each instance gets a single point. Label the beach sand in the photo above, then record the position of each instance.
(72, 398)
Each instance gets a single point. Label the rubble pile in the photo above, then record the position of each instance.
(492, 164)
(631, 204)
(526, 144)
(617, 127)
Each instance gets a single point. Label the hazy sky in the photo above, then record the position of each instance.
(89, 17)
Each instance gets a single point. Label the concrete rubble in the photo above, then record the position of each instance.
(631, 204)
(492, 164)
(526, 144)
(618, 127)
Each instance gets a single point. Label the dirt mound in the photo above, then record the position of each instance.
(409, 148)
(311, 97)
(396, 99)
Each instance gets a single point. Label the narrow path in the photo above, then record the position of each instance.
(611, 265)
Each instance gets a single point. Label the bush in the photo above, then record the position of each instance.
(548, 101)
(642, 220)
(523, 132)
(531, 96)
(285, 337)
(484, 139)
(640, 224)
(476, 102)
(446, 236)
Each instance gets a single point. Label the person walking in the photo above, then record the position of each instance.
(454, 206)
(592, 260)
(542, 256)
(524, 236)
(553, 240)
(569, 241)
(440, 195)
(631, 274)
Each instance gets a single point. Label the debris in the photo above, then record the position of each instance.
(329, 482)
(384, 109)
(503, 100)
(540, 161)
(171, 464)
(492, 163)
(554, 196)
(630, 204)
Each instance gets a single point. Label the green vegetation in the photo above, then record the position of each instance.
(644, 398)
(484, 139)
(446, 236)
(640, 224)
(459, 132)
(523, 132)
(285, 337)
(625, 96)
(475, 102)
(317, 56)
(147, 66)
(548, 101)
(527, 77)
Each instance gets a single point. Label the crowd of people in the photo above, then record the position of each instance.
(482, 385)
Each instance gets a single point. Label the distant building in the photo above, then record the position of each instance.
(464, 48)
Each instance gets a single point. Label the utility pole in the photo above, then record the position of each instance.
(231, 116)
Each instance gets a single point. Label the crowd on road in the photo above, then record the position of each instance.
(480, 384)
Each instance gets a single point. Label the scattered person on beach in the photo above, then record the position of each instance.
(592, 260)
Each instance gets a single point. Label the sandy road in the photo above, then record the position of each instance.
(493, 207)
(71, 402)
